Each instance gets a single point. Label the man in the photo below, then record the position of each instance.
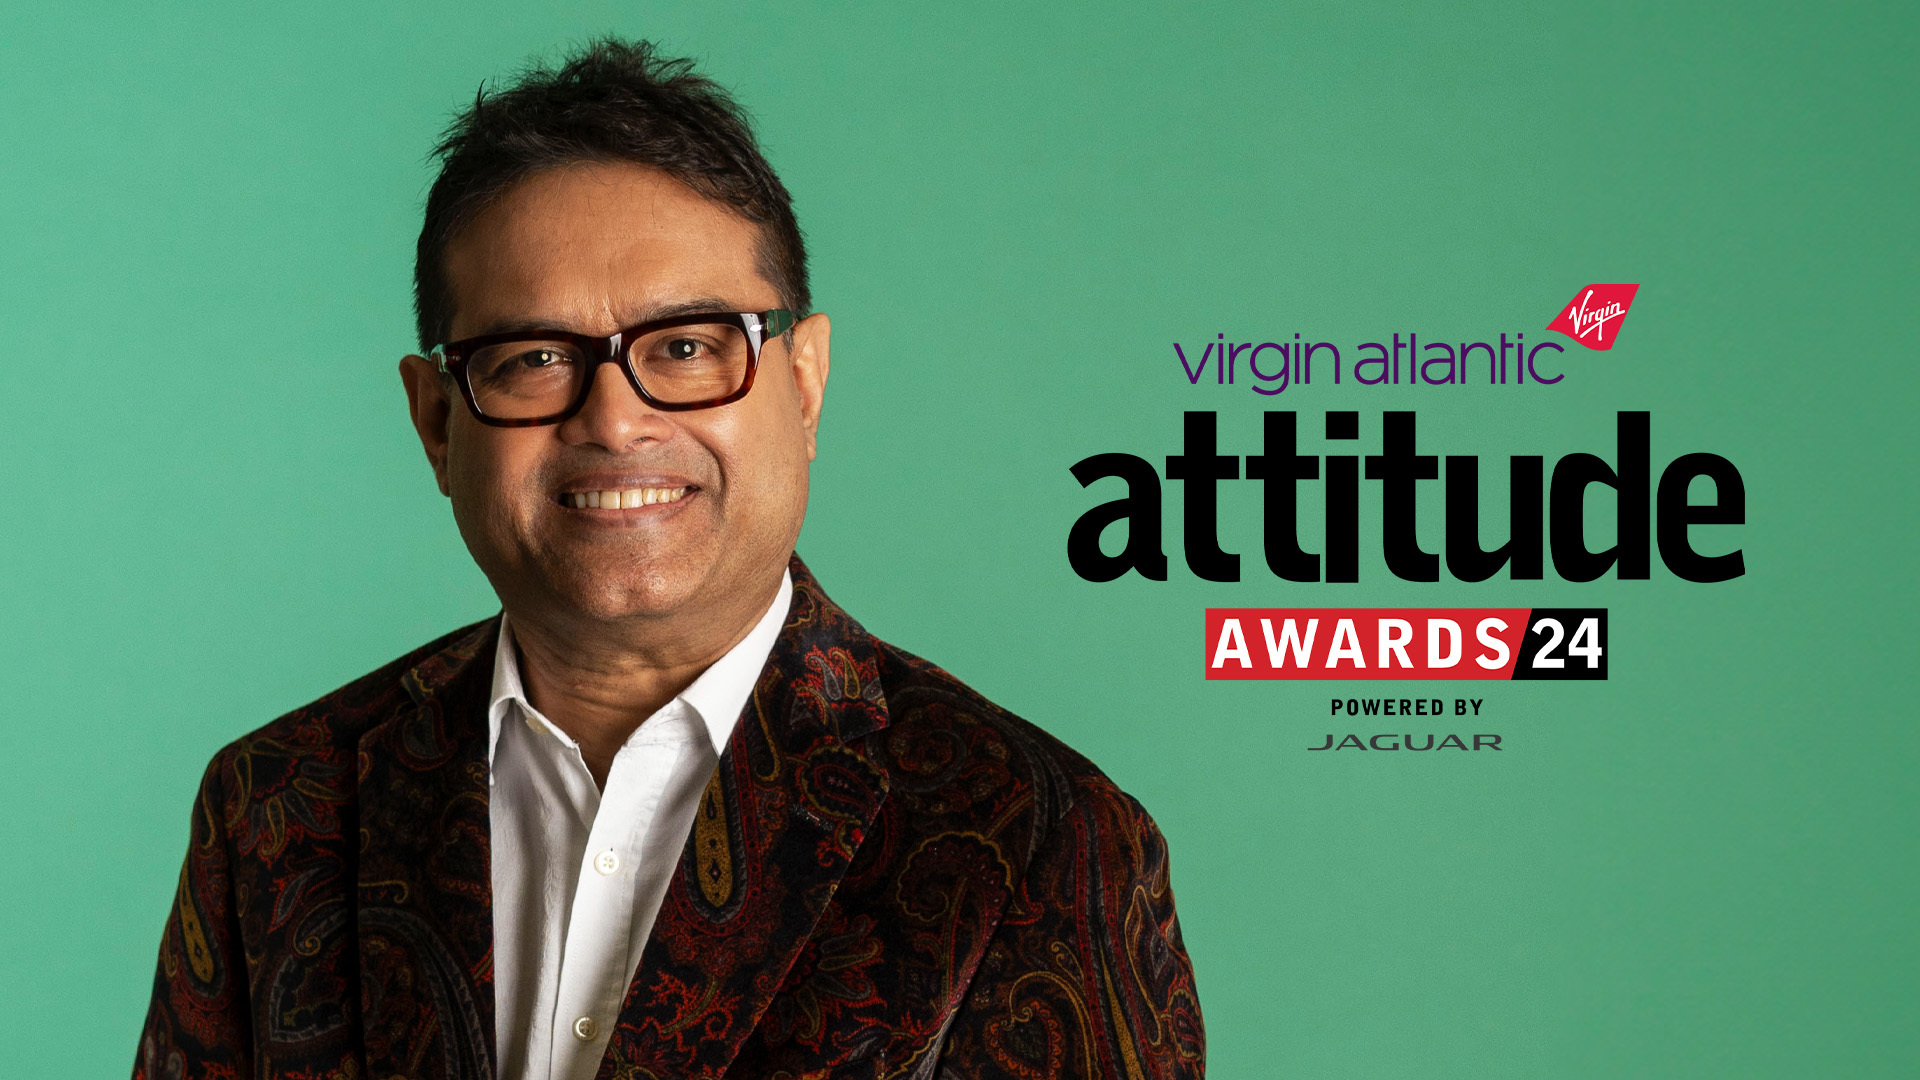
(673, 813)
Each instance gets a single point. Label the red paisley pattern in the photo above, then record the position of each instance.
(889, 877)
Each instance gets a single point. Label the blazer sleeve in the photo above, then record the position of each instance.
(199, 1023)
(1086, 975)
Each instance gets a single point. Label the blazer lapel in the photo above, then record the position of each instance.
(791, 801)
(424, 895)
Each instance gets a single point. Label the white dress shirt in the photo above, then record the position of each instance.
(579, 873)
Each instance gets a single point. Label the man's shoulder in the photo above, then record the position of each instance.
(319, 741)
(962, 758)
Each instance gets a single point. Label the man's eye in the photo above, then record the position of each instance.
(683, 349)
(539, 358)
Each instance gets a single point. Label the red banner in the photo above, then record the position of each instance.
(1367, 643)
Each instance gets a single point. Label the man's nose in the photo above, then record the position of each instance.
(614, 416)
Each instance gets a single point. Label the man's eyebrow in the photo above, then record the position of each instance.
(633, 317)
(691, 306)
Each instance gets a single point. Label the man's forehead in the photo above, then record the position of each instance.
(604, 246)
(607, 199)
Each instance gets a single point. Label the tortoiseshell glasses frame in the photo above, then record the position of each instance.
(588, 352)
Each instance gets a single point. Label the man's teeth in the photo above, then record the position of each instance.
(621, 500)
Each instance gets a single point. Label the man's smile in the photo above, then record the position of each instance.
(623, 498)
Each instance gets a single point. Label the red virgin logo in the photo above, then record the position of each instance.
(1594, 317)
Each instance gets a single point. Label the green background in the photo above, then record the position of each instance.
(1703, 867)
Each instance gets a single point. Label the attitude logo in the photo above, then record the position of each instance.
(1593, 318)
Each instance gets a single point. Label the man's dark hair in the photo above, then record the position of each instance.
(615, 101)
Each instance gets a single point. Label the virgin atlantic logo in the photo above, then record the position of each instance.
(1593, 318)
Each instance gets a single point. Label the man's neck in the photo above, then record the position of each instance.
(598, 683)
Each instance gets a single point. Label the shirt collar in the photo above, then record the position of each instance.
(717, 696)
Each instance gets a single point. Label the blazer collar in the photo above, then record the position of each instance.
(792, 799)
(424, 912)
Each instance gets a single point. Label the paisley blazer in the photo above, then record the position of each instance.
(888, 876)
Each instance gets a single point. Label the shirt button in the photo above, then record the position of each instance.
(585, 1028)
(606, 862)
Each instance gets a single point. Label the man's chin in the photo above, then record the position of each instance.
(627, 597)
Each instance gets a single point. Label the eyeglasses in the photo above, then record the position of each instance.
(533, 377)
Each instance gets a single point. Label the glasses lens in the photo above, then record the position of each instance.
(522, 380)
(701, 362)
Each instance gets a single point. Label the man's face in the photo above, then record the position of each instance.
(593, 249)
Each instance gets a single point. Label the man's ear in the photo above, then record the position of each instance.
(430, 408)
(811, 337)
